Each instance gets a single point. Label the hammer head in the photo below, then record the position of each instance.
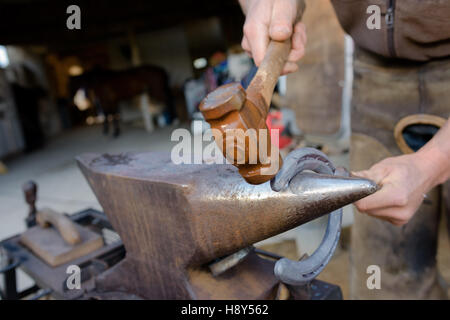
(223, 100)
(240, 131)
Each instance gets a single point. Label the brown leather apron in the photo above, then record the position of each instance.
(384, 93)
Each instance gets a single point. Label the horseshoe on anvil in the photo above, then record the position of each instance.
(292, 176)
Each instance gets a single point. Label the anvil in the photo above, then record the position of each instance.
(174, 220)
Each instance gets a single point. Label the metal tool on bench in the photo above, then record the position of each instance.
(56, 239)
(30, 192)
(50, 280)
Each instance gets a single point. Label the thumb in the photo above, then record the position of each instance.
(385, 197)
(283, 18)
(376, 174)
(362, 174)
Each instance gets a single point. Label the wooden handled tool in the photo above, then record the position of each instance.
(66, 228)
(230, 108)
(65, 242)
(269, 71)
(233, 111)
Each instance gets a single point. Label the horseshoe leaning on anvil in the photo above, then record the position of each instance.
(290, 175)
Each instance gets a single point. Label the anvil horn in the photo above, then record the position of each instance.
(330, 192)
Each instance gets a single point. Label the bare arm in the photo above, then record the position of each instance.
(437, 153)
(405, 179)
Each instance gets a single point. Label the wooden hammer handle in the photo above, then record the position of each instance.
(269, 71)
(63, 224)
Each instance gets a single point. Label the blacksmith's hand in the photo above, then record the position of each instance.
(405, 180)
(276, 20)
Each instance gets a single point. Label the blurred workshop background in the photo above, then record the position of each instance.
(134, 72)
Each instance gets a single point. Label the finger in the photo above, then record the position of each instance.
(393, 215)
(360, 174)
(298, 39)
(384, 198)
(300, 28)
(374, 174)
(245, 45)
(289, 67)
(256, 29)
(258, 39)
(387, 219)
(298, 50)
(283, 17)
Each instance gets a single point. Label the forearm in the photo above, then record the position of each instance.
(435, 156)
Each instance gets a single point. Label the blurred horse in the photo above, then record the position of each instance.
(106, 88)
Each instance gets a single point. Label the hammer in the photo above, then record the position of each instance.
(47, 217)
(232, 112)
